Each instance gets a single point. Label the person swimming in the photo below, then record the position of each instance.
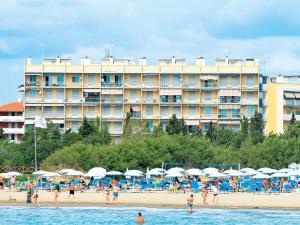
(190, 201)
(139, 218)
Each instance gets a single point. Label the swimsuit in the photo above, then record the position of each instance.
(190, 204)
(72, 192)
(116, 194)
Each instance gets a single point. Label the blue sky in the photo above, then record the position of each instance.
(266, 29)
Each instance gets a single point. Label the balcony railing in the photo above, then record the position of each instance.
(112, 101)
(191, 86)
(112, 84)
(249, 101)
(191, 101)
(153, 85)
(54, 115)
(153, 116)
(229, 101)
(54, 84)
(33, 100)
(33, 84)
(111, 116)
(237, 116)
(14, 130)
(150, 101)
(91, 100)
(11, 119)
(132, 100)
(74, 116)
(171, 102)
(209, 86)
(209, 116)
(292, 102)
(135, 114)
(250, 87)
(209, 101)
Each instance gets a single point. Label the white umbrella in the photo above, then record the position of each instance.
(231, 171)
(249, 171)
(174, 174)
(96, 172)
(279, 174)
(175, 169)
(133, 173)
(294, 173)
(65, 171)
(236, 173)
(12, 174)
(285, 170)
(157, 170)
(210, 170)
(154, 173)
(267, 170)
(51, 174)
(74, 173)
(218, 175)
(293, 166)
(39, 172)
(261, 176)
(114, 173)
(195, 172)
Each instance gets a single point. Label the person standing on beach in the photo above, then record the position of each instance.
(204, 194)
(56, 194)
(115, 194)
(106, 196)
(35, 197)
(139, 219)
(72, 191)
(215, 193)
(190, 201)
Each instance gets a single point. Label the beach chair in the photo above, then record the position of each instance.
(253, 188)
(274, 189)
(286, 188)
(195, 186)
(244, 186)
(224, 187)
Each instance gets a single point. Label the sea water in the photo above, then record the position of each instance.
(87, 215)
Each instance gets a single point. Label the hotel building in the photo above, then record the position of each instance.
(282, 95)
(64, 93)
(12, 121)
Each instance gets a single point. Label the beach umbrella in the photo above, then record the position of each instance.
(65, 171)
(175, 169)
(249, 171)
(210, 170)
(114, 173)
(133, 173)
(96, 172)
(39, 172)
(50, 174)
(154, 173)
(235, 173)
(157, 170)
(11, 174)
(194, 172)
(74, 173)
(279, 174)
(294, 173)
(261, 176)
(267, 170)
(294, 166)
(174, 174)
(217, 175)
(285, 170)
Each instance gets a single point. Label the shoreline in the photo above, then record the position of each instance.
(161, 200)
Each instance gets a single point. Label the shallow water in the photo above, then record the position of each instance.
(92, 215)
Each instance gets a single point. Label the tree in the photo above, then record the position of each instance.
(158, 130)
(86, 128)
(174, 126)
(183, 127)
(256, 128)
(210, 131)
(134, 127)
(245, 126)
(2, 136)
(293, 119)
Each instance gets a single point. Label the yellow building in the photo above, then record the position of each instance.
(200, 93)
(282, 99)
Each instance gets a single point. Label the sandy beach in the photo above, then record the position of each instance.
(162, 199)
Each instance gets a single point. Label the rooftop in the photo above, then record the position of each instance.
(12, 107)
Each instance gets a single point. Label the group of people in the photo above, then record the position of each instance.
(204, 194)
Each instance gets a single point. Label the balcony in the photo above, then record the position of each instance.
(229, 100)
(111, 84)
(54, 84)
(91, 115)
(150, 85)
(230, 117)
(209, 116)
(54, 115)
(112, 117)
(33, 100)
(208, 101)
(14, 130)
(112, 101)
(246, 87)
(190, 86)
(16, 119)
(153, 116)
(287, 117)
(74, 116)
(135, 115)
(132, 100)
(70, 100)
(195, 101)
(91, 100)
(208, 86)
(292, 102)
(249, 101)
(33, 84)
(150, 101)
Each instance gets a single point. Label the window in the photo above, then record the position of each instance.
(149, 110)
(207, 95)
(192, 80)
(75, 94)
(32, 109)
(133, 95)
(177, 98)
(251, 110)
(133, 80)
(75, 125)
(48, 79)
(60, 94)
(176, 111)
(60, 110)
(48, 110)
(223, 81)
(148, 80)
(118, 80)
(192, 111)
(192, 96)
(165, 111)
(150, 124)
(91, 110)
(32, 79)
(118, 127)
(164, 80)
(164, 98)
(176, 80)
(75, 78)
(106, 111)
(91, 79)
(149, 96)
(250, 95)
(118, 111)
(223, 113)
(235, 81)
(48, 95)
(75, 110)
(207, 111)
(118, 98)
(250, 80)
(32, 93)
(60, 80)
(235, 113)
(235, 126)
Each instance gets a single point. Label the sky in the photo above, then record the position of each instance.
(264, 29)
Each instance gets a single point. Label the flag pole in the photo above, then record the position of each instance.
(35, 156)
